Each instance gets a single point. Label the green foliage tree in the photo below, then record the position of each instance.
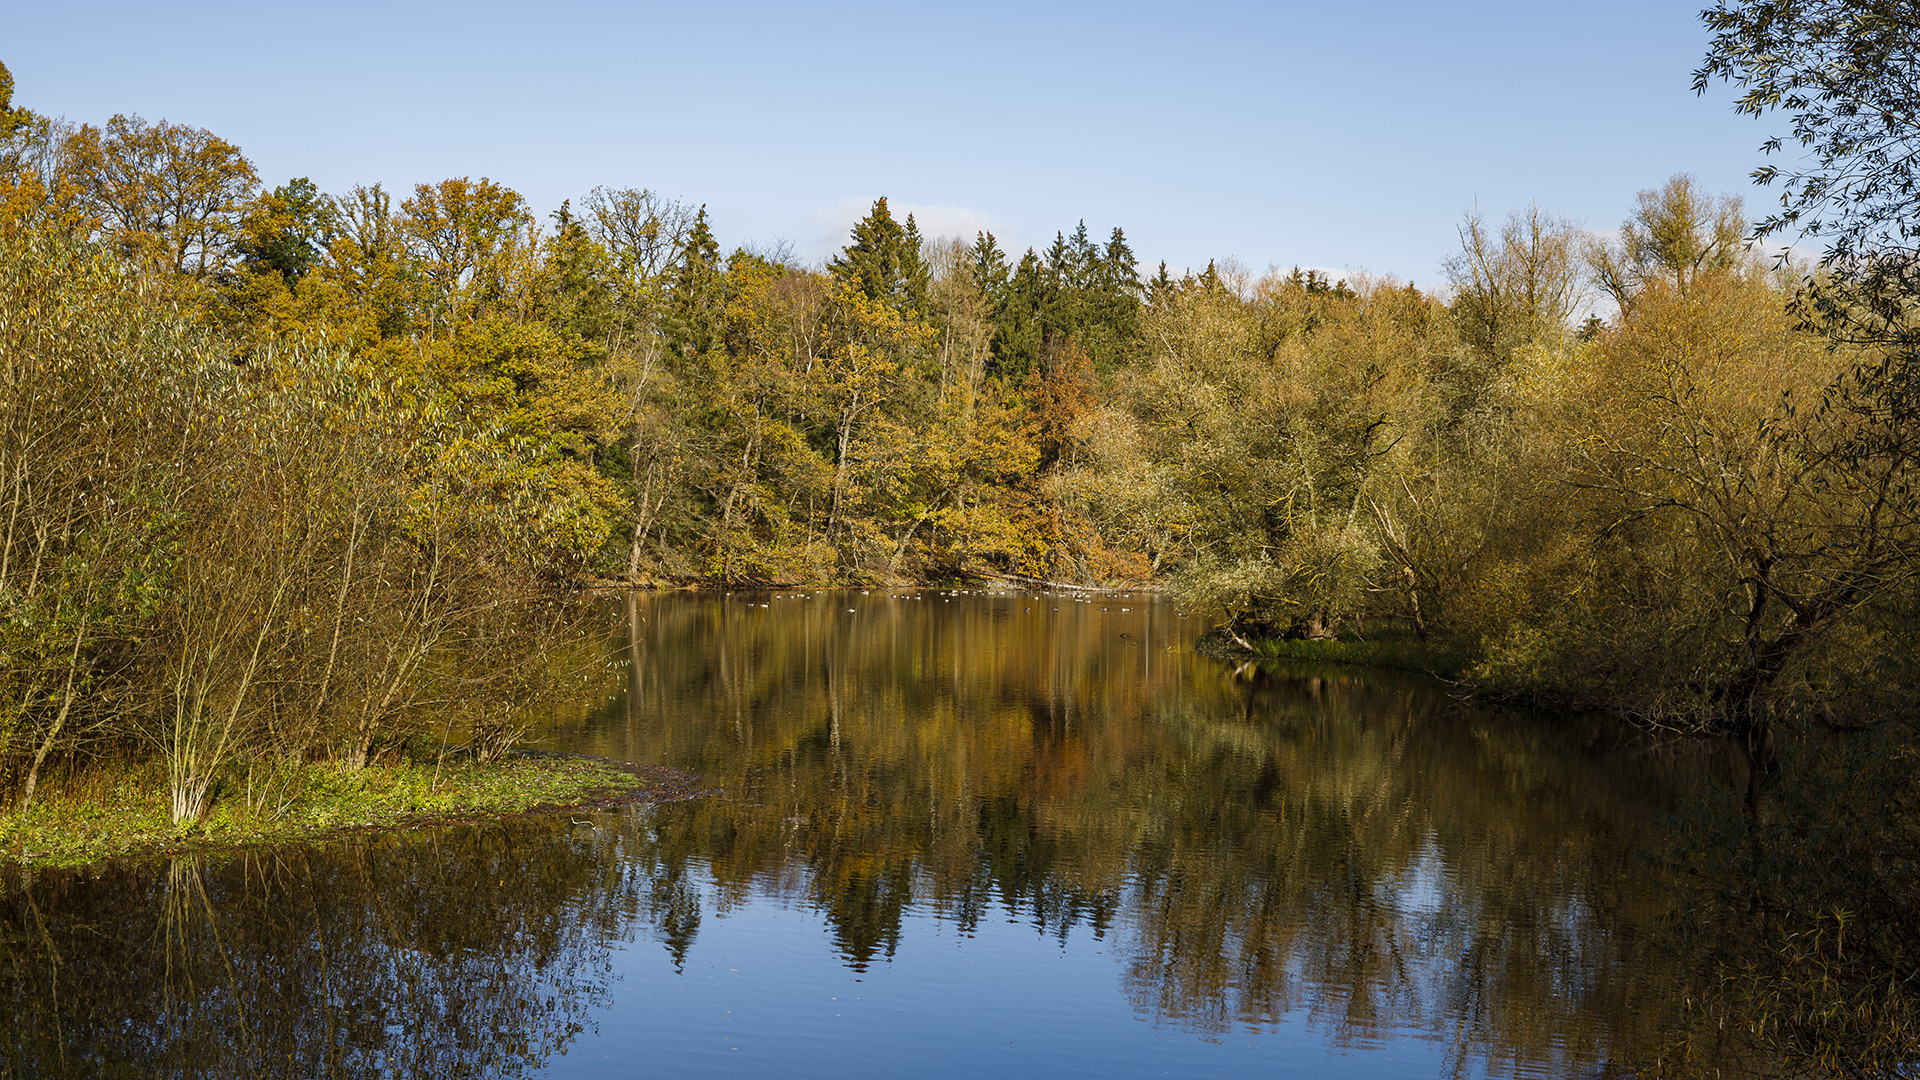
(697, 299)
(884, 262)
(1846, 73)
(579, 286)
(286, 230)
(1019, 321)
(989, 268)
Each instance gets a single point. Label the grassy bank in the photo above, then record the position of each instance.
(112, 809)
(1394, 649)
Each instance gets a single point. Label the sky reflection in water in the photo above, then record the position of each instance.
(958, 834)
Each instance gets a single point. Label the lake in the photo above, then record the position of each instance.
(949, 833)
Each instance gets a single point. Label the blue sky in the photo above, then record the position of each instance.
(1312, 134)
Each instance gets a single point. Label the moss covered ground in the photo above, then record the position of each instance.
(111, 809)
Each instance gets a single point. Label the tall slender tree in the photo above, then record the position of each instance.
(693, 324)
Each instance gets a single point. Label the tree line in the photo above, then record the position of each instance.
(1695, 510)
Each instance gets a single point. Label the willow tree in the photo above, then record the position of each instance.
(1245, 452)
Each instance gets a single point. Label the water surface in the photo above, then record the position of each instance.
(955, 833)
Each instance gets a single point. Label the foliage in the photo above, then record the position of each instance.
(221, 554)
(1807, 904)
(883, 262)
(1388, 649)
(1675, 236)
(1512, 289)
(1703, 530)
(280, 469)
(1847, 73)
(1251, 448)
(165, 194)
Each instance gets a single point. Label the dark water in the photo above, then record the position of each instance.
(1012, 834)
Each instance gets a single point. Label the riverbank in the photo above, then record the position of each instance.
(116, 809)
(1395, 650)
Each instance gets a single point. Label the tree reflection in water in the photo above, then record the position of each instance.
(1345, 847)
(1351, 852)
(399, 955)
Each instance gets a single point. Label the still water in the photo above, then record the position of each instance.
(1016, 834)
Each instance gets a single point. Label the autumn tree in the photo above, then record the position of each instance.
(465, 237)
(1514, 287)
(642, 229)
(88, 478)
(1712, 538)
(12, 118)
(1246, 450)
(1808, 921)
(366, 287)
(16, 128)
(166, 193)
(1676, 234)
(642, 232)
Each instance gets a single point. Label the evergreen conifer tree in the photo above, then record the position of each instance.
(884, 262)
(1116, 304)
(1161, 288)
(579, 295)
(991, 272)
(697, 301)
(1018, 330)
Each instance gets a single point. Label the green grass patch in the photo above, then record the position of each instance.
(1392, 649)
(112, 809)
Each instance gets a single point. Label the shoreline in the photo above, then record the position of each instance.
(1381, 652)
(117, 814)
(1011, 582)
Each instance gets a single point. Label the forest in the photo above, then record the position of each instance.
(273, 459)
(250, 416)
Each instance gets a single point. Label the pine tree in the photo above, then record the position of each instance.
(1018, 321)
(1119, 276)
(884, 262)
(1116, 304)
(991, 273)
(693, 324)
(579, 294)
(917, 275)
(1083, 258)
(1162, 287)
